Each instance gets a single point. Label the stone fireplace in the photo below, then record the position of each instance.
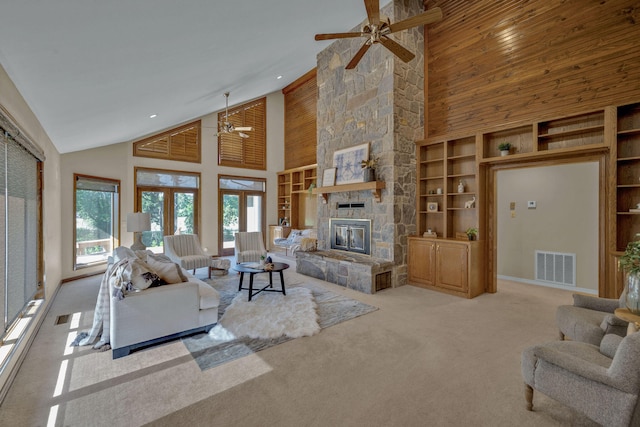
(380, 102)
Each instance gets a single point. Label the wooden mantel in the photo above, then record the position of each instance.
(374, 186)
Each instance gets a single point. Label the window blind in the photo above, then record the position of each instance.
(249, 153)
(19, 224)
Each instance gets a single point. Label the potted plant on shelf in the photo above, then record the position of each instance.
(472, 233)
(369, 166)
(630, 262)
(504, 148)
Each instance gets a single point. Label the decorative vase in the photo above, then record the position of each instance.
(369, 174)
(632, 300)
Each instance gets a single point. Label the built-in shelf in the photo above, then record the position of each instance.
(374, 186)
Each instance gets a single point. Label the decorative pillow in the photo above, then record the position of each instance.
(170, 272)
(308, 244)
(141, 276)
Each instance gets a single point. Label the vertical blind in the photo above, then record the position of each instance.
(19, 224)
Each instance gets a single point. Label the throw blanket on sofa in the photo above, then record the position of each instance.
(101, 315)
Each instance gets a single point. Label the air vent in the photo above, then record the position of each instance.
(557, 268)
(359, 205)
(62, 319)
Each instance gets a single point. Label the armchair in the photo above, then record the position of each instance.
(590, 318)
(249, 246)
(185, 250)
(582, 376)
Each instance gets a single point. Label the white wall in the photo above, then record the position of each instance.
(565, 219)
(117, 161)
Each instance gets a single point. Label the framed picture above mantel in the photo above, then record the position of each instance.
(347, 164)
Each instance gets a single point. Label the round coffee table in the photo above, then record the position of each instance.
(246, 267)
(633, 319)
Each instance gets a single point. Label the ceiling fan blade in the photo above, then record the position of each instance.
(354, 61)
(243, 135)
(398, 50)
(331, 36)
(373, 11)
(431, 15)
(243, 128)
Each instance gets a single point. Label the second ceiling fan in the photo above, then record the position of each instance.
(378, 28)
(227, 127)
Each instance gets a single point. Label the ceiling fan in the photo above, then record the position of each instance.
(379, 27)
(228, 127)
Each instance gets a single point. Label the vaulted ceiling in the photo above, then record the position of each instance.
(93, 72)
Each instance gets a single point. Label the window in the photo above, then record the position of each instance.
(171, 199)
(96, 219)
(181, 143)
(251, 152)
(20, 221)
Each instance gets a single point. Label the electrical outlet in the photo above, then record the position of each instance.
(531, 204)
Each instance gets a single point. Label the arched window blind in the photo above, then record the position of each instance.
(19, 238)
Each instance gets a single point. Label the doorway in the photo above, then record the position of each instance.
(241, 208)
(497, 210)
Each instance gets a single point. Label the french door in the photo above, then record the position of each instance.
(172, 211)
(241, 208)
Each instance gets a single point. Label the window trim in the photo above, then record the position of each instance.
(116, 220)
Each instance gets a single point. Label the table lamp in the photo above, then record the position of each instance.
(137, 223)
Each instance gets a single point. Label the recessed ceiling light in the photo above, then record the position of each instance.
(279, 77)
(153, 116)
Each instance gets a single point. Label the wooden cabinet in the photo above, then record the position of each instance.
(292, 185)
(277, 232)
(450, 266)
(422, 261)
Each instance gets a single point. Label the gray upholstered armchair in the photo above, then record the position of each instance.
(590, 318)
(185, 250)
(602, 382)
(249, 246)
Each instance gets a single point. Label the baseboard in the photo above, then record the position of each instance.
(548, 285)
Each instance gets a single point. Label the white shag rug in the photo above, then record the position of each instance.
(269, 315)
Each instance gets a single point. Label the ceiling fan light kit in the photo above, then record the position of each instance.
(378, 28)
(228, 127)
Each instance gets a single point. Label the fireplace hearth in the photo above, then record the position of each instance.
(351, 235)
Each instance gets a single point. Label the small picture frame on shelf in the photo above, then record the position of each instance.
(329, 177)
(432, 207)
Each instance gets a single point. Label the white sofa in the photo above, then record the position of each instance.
(304, 240)
(159, 314)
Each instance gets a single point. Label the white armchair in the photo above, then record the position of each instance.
(249, 246)
(185, 250)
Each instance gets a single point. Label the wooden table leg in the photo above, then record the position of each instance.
(250, 285)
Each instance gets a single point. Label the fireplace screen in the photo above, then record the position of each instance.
(353, 235)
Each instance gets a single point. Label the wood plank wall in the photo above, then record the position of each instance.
(300, 111)
(491, 63)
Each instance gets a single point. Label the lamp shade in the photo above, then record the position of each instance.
(138, 221)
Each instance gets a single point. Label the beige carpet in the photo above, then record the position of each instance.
(424, 358)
